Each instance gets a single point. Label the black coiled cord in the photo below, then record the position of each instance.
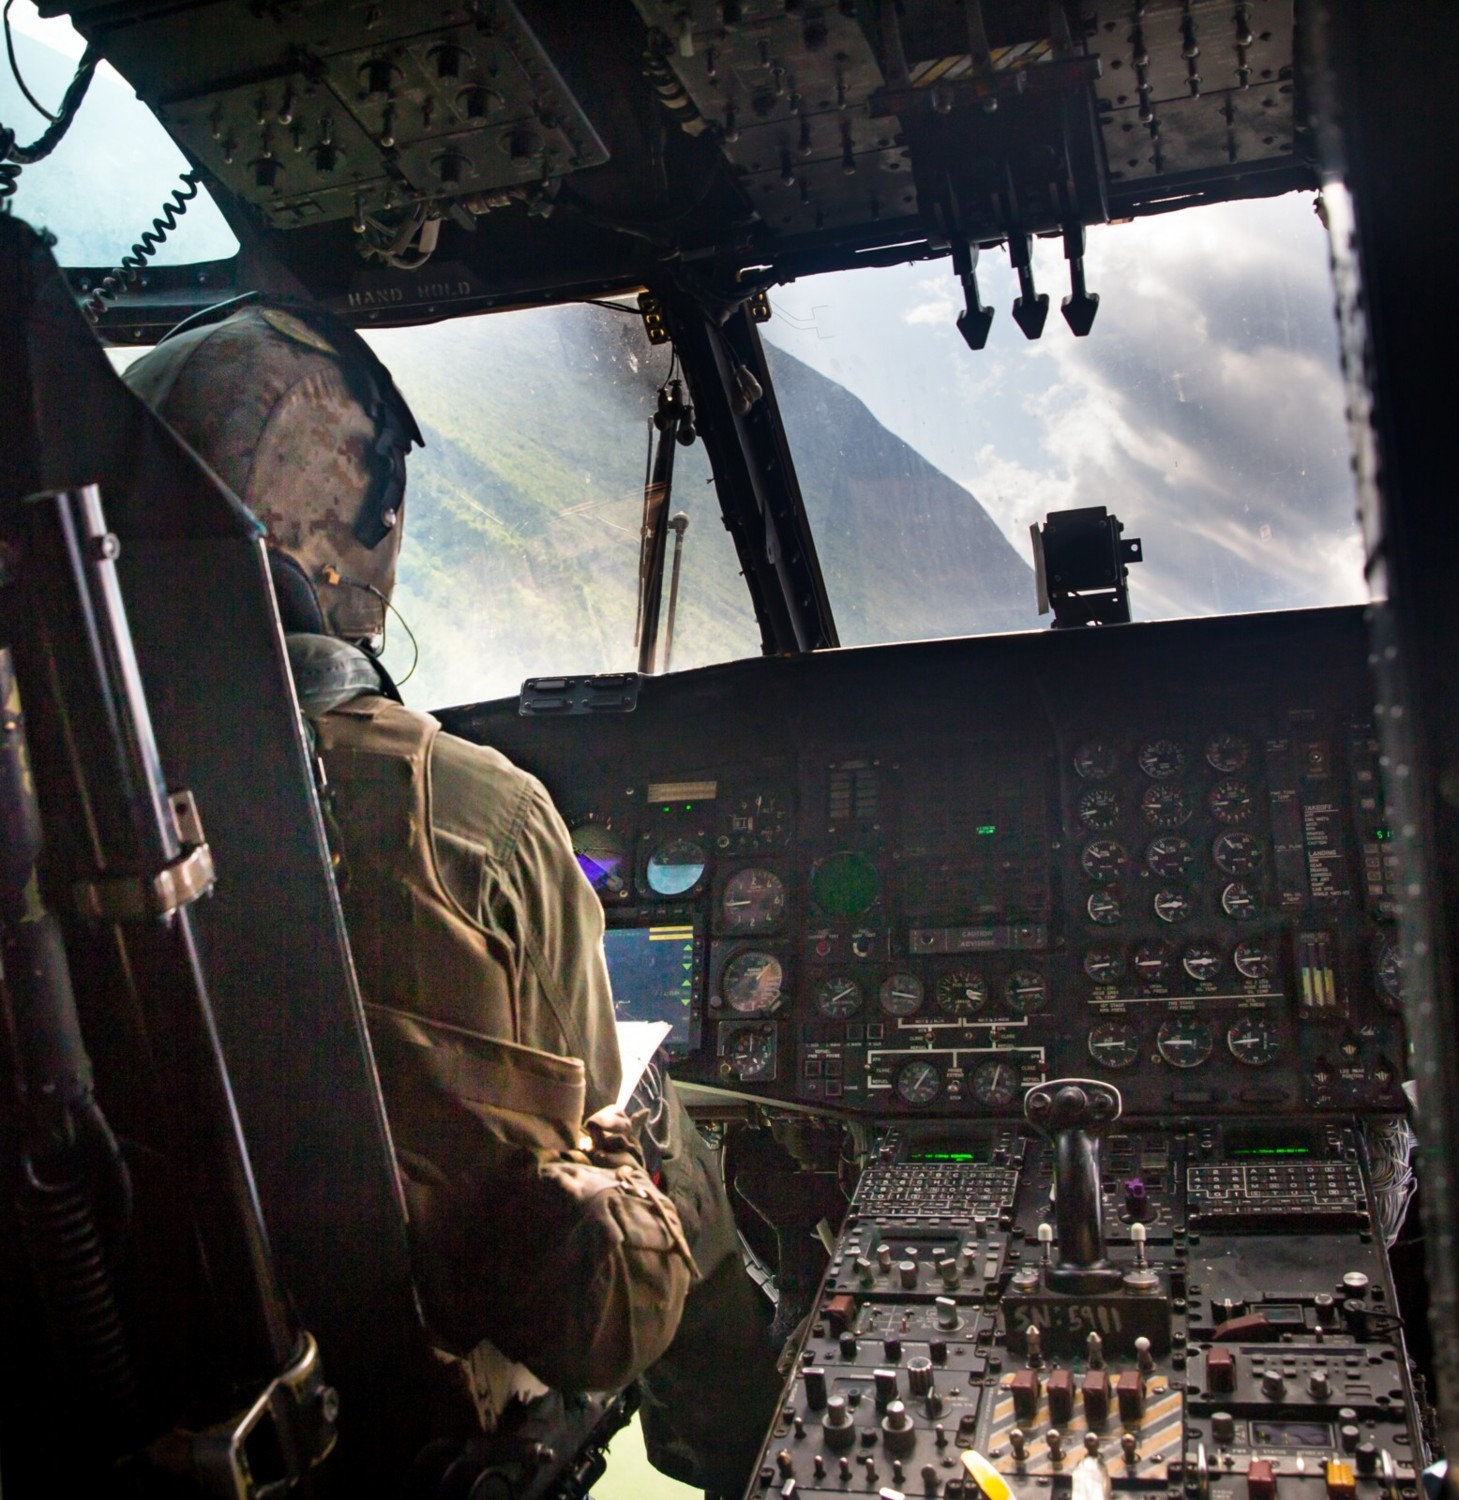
(13, 157)
(132, 266)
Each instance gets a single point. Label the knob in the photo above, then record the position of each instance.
(815, 1387)
(892, 1348)
(1354, 1284)
(785, 1463)
(898, 1433)
(1273, 1387)
(980, 1226)
(947, 1269)
(935, 1404)
(848, 1345)
(919, 1375)
(1026, 1392)
(929, 1478)
(1018, 1441)
(1223, 1427)
(884, 1257)
(937, 1348)
(1325, 1305)
(1366, 1457)
(864, 1270)
(886, 1386)
(946, 1312)
(1060, 1391)
(1319, 1386)
(1349, 1434)
(907, 1270)
(1220, 1371)
(836, 1425)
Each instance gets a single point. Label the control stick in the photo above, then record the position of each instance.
(1073, 1112)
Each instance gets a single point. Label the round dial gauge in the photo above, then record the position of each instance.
(1202, 961)
(749, 1053)
(1165, 805)
(1227, 753)
(753, 900)
(1104, 860)
(1095, 761)
(1114, 1044)
(1253, 1043)
(1162, 759)
(919, 1082)
(675, 868)
(1173, 904)
(1230, 801)
(901, 994)
(1170, 856)
(602, 855)
(1240, 902)
(844, 884)
(1152, 962)
(1104, 965)
(995, 1082)
(1254, 961)
(1389, 970)
(1184, 1042)
(1237, 853)
(838, 997)
(1099, 808)
(1104, 906)
(961, 992)
(1027, 992)
(751, 983)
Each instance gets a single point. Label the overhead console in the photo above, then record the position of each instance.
(916, 880)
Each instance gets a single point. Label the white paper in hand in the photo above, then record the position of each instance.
(637, 1043)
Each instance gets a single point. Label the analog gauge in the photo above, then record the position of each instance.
(901, 995)
(749, 1053)
(1162, 759)
(1170, 856)
(1389, 969)
(1227, 753)
(1114, 1044)
(1240, 902)
(1230, 801)
(961, 992)
(1104, 860)
(1253, 1043)
(1095, 761)
(844, 884)
(1105, 907)
(1173, 904)
(1099, 808)
(995, 1082)
(753, 900)
(1027, 992)
(1165, 805)
(1104, 965)
(602, 855)
(919, 1082)
(838, 997)
(1184, 1042)
(1152, 962)
(1254, 961)
(1237, 853)
(751, 983)
(675, 868)
(1202, 961)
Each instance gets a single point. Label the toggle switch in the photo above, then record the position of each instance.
(1261, 1480)
(1130, 1392)
(1025, 1388)
(1060, 1391)
(1095, 1394)
(1220, 1371)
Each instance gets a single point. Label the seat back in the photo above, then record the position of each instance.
(196, 586)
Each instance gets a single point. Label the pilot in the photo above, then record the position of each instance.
(544, 1250)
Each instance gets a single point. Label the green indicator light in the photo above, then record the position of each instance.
(945, 1156)
(1382, 834)
(986, 828)
(1274, 1151)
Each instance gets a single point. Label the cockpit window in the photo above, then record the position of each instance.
(105, 183)
(1205, 410)
(524, 511)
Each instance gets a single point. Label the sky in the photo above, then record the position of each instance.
(1205, 409)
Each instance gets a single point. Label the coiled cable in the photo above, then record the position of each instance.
(13, 157)
(126, 274)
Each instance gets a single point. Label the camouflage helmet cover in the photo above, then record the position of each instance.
(291, 410)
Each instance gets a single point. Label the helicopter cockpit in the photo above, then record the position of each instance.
(1072, 1007)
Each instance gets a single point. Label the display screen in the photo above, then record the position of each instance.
(655, 974)
(1267, 1142)
(1291, 1435)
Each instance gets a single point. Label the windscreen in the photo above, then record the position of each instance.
(1205, 409)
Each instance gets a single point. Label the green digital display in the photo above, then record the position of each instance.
(987, 829)
(943, 1156)
(1250, 1151)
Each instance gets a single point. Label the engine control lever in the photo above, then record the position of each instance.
(1073, 1112)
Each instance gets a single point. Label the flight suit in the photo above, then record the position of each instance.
(478, 945)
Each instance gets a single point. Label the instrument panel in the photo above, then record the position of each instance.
(917, 879)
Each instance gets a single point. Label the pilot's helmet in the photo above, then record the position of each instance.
(295, 414)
